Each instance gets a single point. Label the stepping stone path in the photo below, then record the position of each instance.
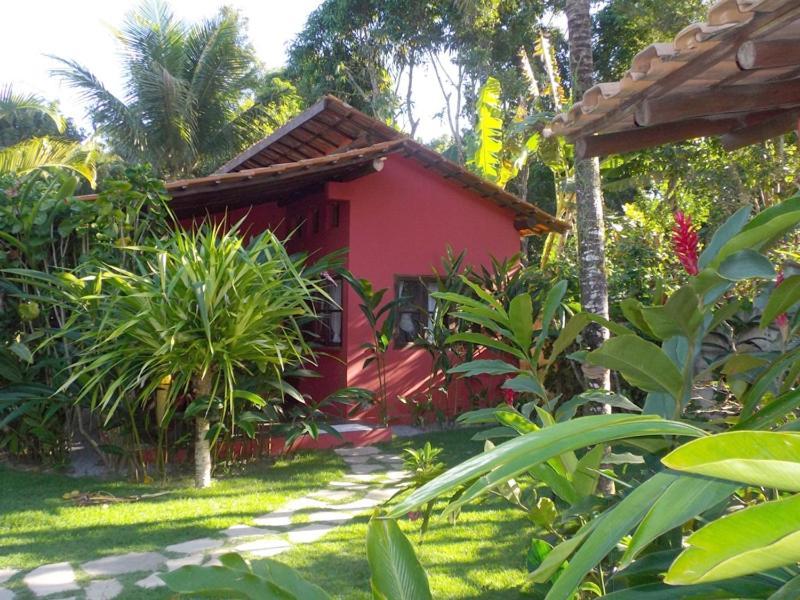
(373, 479)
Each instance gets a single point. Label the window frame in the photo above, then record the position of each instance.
(425, 321)
(325, 308)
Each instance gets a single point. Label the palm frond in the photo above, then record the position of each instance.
(110, 114)
(12, 103)
(43, 153)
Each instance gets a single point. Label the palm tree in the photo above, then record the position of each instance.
(200, 309)
(43, 152)
(189, 92)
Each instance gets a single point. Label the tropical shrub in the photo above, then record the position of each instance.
(702, 479)
(199, 308)
(44, 228)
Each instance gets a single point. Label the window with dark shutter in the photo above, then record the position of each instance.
(326, 330)
(415, 309)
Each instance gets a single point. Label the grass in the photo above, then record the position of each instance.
(481, 557)
(37, 526)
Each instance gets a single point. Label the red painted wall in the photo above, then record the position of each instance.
(402, 221)
(397, 222)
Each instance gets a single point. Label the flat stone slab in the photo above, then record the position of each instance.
(51, 579)
(177, 563)
(267, 547)
(360, 451)
(6, 594)
(333, 495)
(351, 460)
(309, 533)
(278, 518)
(364, 477)
(124, 563)
(382, 494)
(397, 475)
(103, 589)
(6, 574)
(348, 484)
(330, 516)
(150, 582)
(235, 531)
(192, 546)
(365, 468)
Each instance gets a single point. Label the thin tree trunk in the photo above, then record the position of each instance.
(589, 200)
(202, 447)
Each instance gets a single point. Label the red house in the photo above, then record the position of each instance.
(341, 179)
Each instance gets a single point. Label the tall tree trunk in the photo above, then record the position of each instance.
(589, 196)
(589, 200)
(202, 447)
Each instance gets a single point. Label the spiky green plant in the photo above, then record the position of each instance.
(202, 308)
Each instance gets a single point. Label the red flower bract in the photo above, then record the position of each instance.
(508, 396)
(685, 241)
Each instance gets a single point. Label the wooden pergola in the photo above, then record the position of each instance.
(735, 75)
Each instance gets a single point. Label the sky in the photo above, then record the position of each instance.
(81, 30)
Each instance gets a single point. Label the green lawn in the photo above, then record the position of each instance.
(481, 556)
(38, 527)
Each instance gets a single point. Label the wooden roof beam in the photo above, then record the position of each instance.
(753, 134)
(768, 54)
(648, 137)
(718, 100)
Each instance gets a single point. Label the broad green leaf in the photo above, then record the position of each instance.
(755, 393)
(789, 591)
(551, 304)
(743, 588)
(684, 499)
(773, 412)
(396, 571)
(555, 559)
(641, 363)
(537, 553)
(681, 315)
(741, 363)
(520, 317)
(782, 298)
(617, 523)
(221, 582)
(661, 404)
(723, 234)
(489, 130)
(759, 234)
(525, 383)
(487, 342)
(577, 324)
(587, 472)
(518, 455)
(632, 309)
(484, 367)
(758, 538)
(746, 264)
(288, 580)
(544, 513)
(763, 458)
(22, 351)
(567, 410)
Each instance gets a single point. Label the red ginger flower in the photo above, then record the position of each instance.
(508, 396)
(684, 242)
